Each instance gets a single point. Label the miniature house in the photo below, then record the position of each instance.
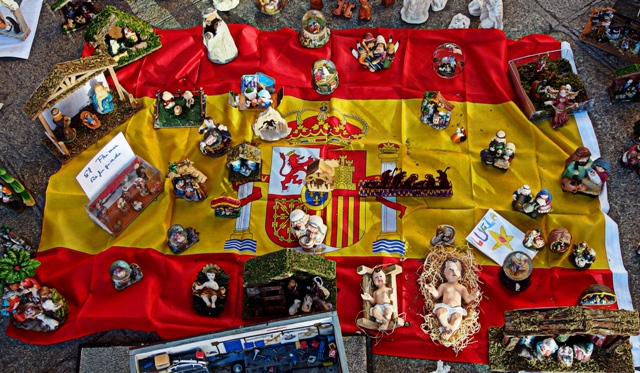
(13, 24)
(226, 207)
(608, 330)
(121, 35)
(320, 175)
(273, 282)
(245, 163)
(68, 87)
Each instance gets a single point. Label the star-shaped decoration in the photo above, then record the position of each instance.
(501, 239)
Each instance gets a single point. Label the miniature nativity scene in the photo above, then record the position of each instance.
(615, 30)
(13, 194)
(188, 182)
(286, 283)
(12, 22)
(564, 339)
(77, 107)
(121, 35)
(435, 110)
(180, 109)
(395, 183)
(76, 13)
(257, 92)
(583, 175)
(245, 163)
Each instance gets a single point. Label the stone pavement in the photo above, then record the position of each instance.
(22, 154)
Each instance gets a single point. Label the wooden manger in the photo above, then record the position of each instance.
(368, 321)
(609, 330)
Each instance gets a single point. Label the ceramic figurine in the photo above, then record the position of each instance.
(445, 235)
(491, 14)
(217, 38)
(392, 183)
(375, 54)
(630, 159)
(533, 240)
(13, 24)
(521, 198)
(314, 235)
(597, 295)
(63, 130)
(387, 3)
(450, 311)
(415, 11)
(382, 309)
(581, 175)
(226, 207)
(523, 201)
(559, 240)
(546, 347)
(320, 175)
(210, 290)
(582, 351)
(124, 274)
(436, 110)
(582, 255)
(298, 220)
(565, 355)
(448, 60)
(515, 273)
(344, 8)
(438, 5)
(181, 238)
(316, 4)
(90, 120)
(561, 103)
(123, 206)
(216, 139)
(325, 77)
(34, 307)
(245, 163)
(168, 100)
(270, 7)
(187, 181)
(504, 161)
(460, 135)
(475, 7)
(270, 126)
(496, 149)
(225, 5)
(364, 14)
(459, 21)
(314, 32)
(102, 99)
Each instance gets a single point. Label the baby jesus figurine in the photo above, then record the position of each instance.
(450, 311)
(382, 309)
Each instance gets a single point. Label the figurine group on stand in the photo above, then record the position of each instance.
(375, 53)
(309, 230)
(523, 201)
(500, 153)
(187, 181)
(582, 175)
(216, 139)
(307, 296)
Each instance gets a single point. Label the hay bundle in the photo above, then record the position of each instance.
(431, 275)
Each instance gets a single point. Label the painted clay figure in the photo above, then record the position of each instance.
(565, 355)
(534, 240)
(375, 54)
(504, 161)
(314, 32)
(495, 149)
(364, 14)
(325, 76)
(382, 309)
(316, 4)
(415, 11)
(315, 233)
(387, 3)
(561, 103)
(546, 347)
(583, 255)
(270, 7)
(438, 5)
(270, 125)
(491, 14)
(187, 181)
(216, 139)
(630, 158)
(102, 99)
(521, 197)
(298, 223)
(459, 21)
(181, 238)
(217, 38)
(90, 120)
(445, 235)
(582, 175)
(559, 240)
(450, 311)
(63, 130)
(168, 100)
(583, 351)
(460, 135)
(209, 290)
(124, 274)
(475, 7)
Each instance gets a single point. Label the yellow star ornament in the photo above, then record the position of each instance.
(501, 239)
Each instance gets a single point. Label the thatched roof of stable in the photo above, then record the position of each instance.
(285, 263)
(64, 79)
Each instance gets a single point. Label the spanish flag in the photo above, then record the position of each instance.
(369, 124)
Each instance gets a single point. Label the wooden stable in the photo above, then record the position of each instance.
(66, 78)
(612, 327)
(368, 322)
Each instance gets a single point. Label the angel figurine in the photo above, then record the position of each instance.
(221, 48)
(561, 103)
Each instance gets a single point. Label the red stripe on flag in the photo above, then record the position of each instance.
(346, 224)
(334, 222)
(356, 220)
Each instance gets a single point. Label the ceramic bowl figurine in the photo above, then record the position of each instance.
(217, 38)
(209, 290)
(534, 240)
(448, 60)
(216, 139)
(375, 54)
(325, 77)
(582, 256)
(180, 238)
(314, 32)
(101, 99)
(226, 207)
(597, 295)
(124, 274)
(559, 240)
(270, 7)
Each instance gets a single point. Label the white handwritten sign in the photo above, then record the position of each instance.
(497, 238)
(107, 164)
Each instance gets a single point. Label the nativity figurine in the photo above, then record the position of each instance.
(314, 235)
(523, 201)
(582, 175)
(210, 290)
(63, 130)
(559, 240)
(244, 162)
(90, 120)
(225, 5)
(415, 11)
(375, 54)
(188, 182)
(475, 7)
(270, 126)
(631, 157)
(561, 103)
(181, 238)
(314, 32)
(459, 21)
(533, 240)
(298, 220)
(270, 7)
(382, 309)
(496, 152)
(364, 14)
(221, 48)
(445, 235)
(438, 5)
(450, 311)
(101, 99)
(124, 274)
(582, 255)
(491, 14)
(216, 139)
(325, 77)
